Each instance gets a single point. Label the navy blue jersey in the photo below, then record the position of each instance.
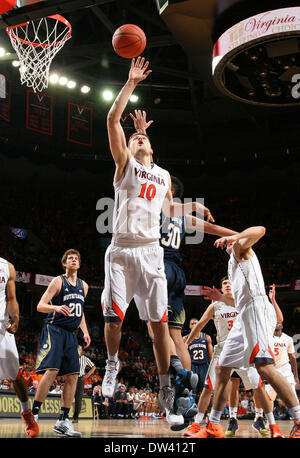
(198, 350)
(172, 232)
(73, 297)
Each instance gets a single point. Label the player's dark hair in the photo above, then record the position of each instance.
(178, 187)
(223, 279)
(66, 254)
(193, 319)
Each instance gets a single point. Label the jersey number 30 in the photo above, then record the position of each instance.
(172, 239)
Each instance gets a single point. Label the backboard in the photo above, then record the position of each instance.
(35, 9)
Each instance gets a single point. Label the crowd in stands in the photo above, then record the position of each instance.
(50, 234)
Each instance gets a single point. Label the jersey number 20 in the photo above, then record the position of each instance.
(75, 309)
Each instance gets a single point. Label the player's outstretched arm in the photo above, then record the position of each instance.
(117, 140)
(172, 209)
(213, 294)
(243, 241)
(272, 296)
(192, 222)
(207, 315)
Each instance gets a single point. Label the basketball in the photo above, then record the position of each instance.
(129, 41)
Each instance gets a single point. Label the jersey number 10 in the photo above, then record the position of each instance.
(150, 193)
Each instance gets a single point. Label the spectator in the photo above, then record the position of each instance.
(33, 387)
(121, 403)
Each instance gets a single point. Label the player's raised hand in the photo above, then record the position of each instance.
(138, 70)
(209, 217)
(212, 294)
(140, 121)
(225, 242)
(272, 292)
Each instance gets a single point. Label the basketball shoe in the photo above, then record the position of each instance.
(194, 428)
(275, 431)
(210, 430)
(260, 427)
(65, 428)
(166, 403)
(185, 382)
(109, 381)
(295, 433)
(232, 428)
(31, 427)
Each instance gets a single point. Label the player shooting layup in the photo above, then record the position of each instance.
(134, 263)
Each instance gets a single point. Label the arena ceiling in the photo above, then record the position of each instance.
(180, 94)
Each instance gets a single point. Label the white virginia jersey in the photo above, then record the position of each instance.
(224, 317)
(283, 345)
(246, 280)
(4, 277)
(139, 196)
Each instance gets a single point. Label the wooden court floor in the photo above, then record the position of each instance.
(13, 428)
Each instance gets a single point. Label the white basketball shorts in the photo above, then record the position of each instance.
(249, 375)
(286, 371)
(250, 339)
(9, 357)
(135, 273)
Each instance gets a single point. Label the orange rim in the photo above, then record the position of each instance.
(57, 17)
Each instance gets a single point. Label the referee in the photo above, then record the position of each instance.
(84, 362)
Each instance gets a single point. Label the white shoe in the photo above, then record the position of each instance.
(109, 380)
(173, 419)
(166, 403)
(65, 428)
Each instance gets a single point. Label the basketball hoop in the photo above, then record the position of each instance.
(36, 44)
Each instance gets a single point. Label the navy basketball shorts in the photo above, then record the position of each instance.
(201, 371)
(58, 350)
(176, 285)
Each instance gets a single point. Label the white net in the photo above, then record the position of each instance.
(36, 43)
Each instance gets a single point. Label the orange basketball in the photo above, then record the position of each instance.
(129, 41)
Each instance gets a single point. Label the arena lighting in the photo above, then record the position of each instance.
(85, 89)
(134, 98)
(63, 80)
(71, 84)
(15, 63)
(107, 95)
(53, 79)
(2, 52)
(257, 59)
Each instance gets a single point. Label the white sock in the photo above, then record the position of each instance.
(233, 412)
(114, 357)
(199, 417)
(295, 411)
(215, 416)
(25, 406)
(270, 418)
(258, 413)
(164, 380)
